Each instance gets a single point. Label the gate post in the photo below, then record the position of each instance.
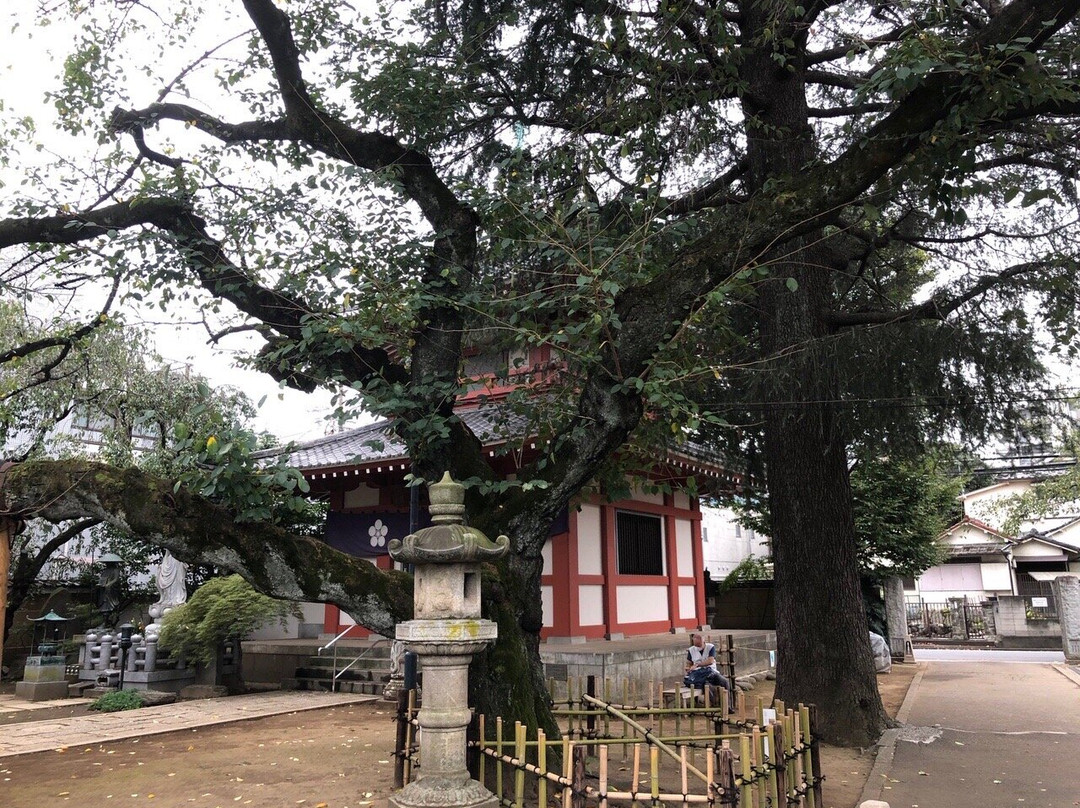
(1067, 595)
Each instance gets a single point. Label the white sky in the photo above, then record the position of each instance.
(30, 59)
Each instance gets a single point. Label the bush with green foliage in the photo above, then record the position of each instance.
(751, 568)
(221, 608)
(117, 701)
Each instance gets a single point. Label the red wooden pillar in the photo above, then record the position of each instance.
(671, 552)
(699, 562)
(611, 571)
(572, 595)
(560, 585)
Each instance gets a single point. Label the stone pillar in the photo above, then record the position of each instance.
(150, 660)
(105, 656)
(896, 617)
(446, 632)
(1067, 595)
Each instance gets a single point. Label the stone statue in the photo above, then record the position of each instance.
(171, 583)
(107, 592)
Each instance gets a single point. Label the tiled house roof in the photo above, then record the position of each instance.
(377, 444)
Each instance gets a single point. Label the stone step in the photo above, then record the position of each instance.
(351, 675)
(373, 688)
(363, 664)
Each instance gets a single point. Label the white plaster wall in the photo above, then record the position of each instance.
(547, 601)
(951, 577)
(312, 613)
(684, 547)
(996, 577)
(641, 604)
(687, 603)
(725, 543)
(591, 605)
(681, 500)
(589, 541)
(985, 504)
(640, 496)
(1037, 549)
(546, 555)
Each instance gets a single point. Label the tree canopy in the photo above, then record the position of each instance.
(371, 189)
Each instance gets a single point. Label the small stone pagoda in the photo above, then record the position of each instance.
(446, 632)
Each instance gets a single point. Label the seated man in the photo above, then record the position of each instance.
(701, 667)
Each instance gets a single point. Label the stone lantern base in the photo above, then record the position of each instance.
(443, 792)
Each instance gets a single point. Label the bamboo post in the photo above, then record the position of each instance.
(660, 708)
(590, 719)
(774, 755)
(747, 771)
(815, 756)
(567, 793)
(577, 796)
(498, 756)
(730, 654)
(761, 784)
(654, 773)
(637, 771)
(808, 754)
(541, 766)
(725, 763)
(797, 737)
(603, 777)
(519, 773)
(629, 697)
(608, 693)
(777, 738)
(710, 772)
(682, 773)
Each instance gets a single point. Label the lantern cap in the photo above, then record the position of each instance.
(448, 541)
(110, 558)
(51, 617)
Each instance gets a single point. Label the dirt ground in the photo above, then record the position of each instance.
(334, 758)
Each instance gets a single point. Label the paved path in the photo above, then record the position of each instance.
(40, 736)
(987, 735)
(985, 655)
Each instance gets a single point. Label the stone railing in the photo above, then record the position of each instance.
(144, 667)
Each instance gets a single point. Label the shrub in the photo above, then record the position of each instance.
(118, 700)
(221, 608)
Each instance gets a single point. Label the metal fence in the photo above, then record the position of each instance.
(954, 620)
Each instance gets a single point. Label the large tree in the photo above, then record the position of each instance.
(365, 188)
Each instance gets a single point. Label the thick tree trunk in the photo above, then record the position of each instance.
(824, 649)
(6, 530)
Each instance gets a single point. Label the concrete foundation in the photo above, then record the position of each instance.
(652, 657)
(44, 679)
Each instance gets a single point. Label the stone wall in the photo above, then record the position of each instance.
(1015, 630)
(653, 663)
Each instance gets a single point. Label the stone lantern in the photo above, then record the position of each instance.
(445, 632)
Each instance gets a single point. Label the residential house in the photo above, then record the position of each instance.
(982, 561)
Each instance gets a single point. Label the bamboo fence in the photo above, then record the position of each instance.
(649, 746)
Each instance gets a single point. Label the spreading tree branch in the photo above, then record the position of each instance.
(197, 531)
(940, 306)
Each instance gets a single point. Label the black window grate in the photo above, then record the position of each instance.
(640, 542)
